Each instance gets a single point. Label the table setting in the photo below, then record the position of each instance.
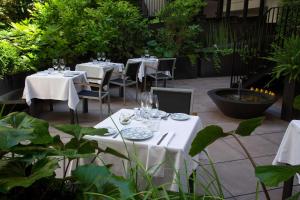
(160, 141)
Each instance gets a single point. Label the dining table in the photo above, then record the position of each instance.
(55, 85)
(96, 69)
(288, 153)
(165, 155)
(148, 66)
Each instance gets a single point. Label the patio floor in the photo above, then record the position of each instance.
(235, 171)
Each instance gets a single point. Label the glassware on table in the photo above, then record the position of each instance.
(55, 64)
(67, 69)
(50, 70)
(62, 64)
(98, 56)
(146, 104)
(147, 55)
(103, 57)
(107, 60)
(155, 104)
(137, 114)
(125, 118)
(153, 123)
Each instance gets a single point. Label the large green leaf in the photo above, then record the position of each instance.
(297, 102)
(273, 175)
(78, 132)
(295, 196)
(205, 137)
(16, 173)
(10, 137)
(25, 121)
(246, 127)
(99, 179)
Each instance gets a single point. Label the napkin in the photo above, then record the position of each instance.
(157, 155)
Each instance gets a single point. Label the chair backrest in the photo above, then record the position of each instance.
(166, 64)
(174, 100)
(106, 77)
(132, 69)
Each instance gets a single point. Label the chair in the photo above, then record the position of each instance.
(101, 93)
(164, 70)
(174, 100)
(129, 77)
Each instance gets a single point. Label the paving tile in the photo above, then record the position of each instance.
(276, 138)
(255, 144)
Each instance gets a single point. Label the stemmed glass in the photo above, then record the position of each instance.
(55, 64)
(147, 53)
(99, 56)
(146, 104)
(62, 64)
(103, 56)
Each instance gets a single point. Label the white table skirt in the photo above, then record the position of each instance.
(54, 86)
(96, 70)
(148, 66)
(168, 161)
(289, 149)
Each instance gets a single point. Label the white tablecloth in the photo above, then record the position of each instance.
(148, 66)
(96, 70)
(162, 161)
(54, 86)
(289, 149)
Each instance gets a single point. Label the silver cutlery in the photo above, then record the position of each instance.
(166, 116)
(162, 138)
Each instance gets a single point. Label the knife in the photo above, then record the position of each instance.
(162, 138)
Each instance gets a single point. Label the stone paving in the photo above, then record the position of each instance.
(234, 169)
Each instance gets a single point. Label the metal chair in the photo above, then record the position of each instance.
(129, 77)
(164, 70)
(103, 89)
(174, 100)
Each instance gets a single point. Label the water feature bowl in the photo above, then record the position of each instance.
(248, 104)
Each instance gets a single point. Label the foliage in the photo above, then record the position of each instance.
(29, 156)
(74, 30)
(179, 35)
(219, 42)
(287, 59)
(290, 2)
(14, 10)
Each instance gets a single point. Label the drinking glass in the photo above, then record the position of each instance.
(145, 104)
(103, 56)
(147, 53)
(62, 64)
(98, 56)
(55, 64)
(125, 118)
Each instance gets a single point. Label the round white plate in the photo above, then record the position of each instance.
(136, 133)
(111, 131)
(180, 116)
(161, 113)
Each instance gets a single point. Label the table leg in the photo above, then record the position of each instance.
(51, 105)
(85, 106)
(288, 188)
(72, 116)
(32, 108)
(121, 92)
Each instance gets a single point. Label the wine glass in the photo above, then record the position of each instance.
(98, 56)
(147, 53)
(55, 64)
(125, 118)
(62, 64)
(103, 56)
(155, 105)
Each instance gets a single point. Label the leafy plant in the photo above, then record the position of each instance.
(287, 59)
(29, 156)
(211, 133)
(179, 34)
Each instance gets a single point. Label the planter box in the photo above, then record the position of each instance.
(184, 69)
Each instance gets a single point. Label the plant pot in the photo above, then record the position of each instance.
(290, 91)
(184, 69)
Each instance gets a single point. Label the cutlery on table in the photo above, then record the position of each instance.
(166, 116)
(162, 138)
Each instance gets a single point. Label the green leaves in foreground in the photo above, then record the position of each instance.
(206, 137)
(16, 173)
(246, 127)
(211, 133)
(78, 132)
(296, 103)
(98, 179)
(273, 175)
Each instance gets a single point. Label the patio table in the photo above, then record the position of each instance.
(54, 86)
(97, 69)
(168, 162)
(148, 66)
(288, 152)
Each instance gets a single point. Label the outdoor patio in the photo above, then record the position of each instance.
(235, 171)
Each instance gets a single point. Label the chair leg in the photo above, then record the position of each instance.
(51, 105)
(108, 103)
(85, 106)
(124, 94)
(165, 82)
(101, 113)
(156, 82)
(76, 114)
(145, 83)
(136, 91)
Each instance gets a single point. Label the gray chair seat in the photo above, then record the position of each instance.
(87, 93)
(160, 75)
(120, 82)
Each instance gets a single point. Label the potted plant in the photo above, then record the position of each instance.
(179, 36)
(287, 59)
